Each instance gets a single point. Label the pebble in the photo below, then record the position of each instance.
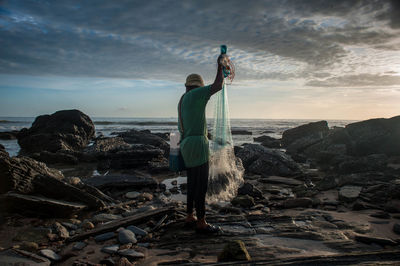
(137, 230)
(125, 246)
(104, 237)
(79, 246)
(174, 182)
(124, 262)
(60, 230)
(107, 262)
(132, 195)
(130, 253)
(87, 225)
(127, 236)
(50, 254)
(70, 226)
(29, 246)
(110, 249)
(145, 196)
(144, 245)
(167, 193)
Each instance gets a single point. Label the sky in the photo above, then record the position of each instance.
(294, 59)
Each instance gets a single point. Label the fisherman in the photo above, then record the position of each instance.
(194, 145)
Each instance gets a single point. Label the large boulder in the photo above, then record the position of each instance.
(17, 173)
(261, 160)
(144, 137)
(63, 130)
(310, 130)
(375, 136)
(115, 153)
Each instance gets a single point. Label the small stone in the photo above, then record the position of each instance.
(132, 195)
(110, 249)
(145, 197)
(144, 245)
(167, 193)
(234, 251)
(50, 254)
(396, 228)
(61, 231)
(137, 230)
(104, 237)
(174, 190)
(52, 237)
(125, 246)
(75, 181)
(130, 253)
(29, 246)
(70, 226)
(79, 246)
(87, 225)
(174, 182)
(126, 236)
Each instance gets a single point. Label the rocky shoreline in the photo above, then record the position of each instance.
(315, 196)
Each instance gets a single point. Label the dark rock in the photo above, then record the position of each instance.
(272, 143)
(164, 136)
(297, 202)
(251, 190)
(107, 262)
(79, 246)
(373, 162)
(396, 228)
(29, 246)
(349, 193)
(104, 237)
(60, 230)
(50, 254)
(281, 180)
(18, 173)
(136, 181)
(37, 235)
(375, 136)
(261, 160)
(130, 253)
(12, 257)
(311, 129)
(126, 236)
(234, 251)
(380, 214)
(137, 230)
(244, 201)
(60, 156)
(241, 132)
(36, 205)
(144, 137)
(63, 130)
(115, 153)
(376, 240)
(393, 206)
(110, 249)
(9, 135)
(229, 209)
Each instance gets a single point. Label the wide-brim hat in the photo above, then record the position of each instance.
(194, 80)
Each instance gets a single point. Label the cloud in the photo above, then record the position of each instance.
(269, 40)
(361, 80)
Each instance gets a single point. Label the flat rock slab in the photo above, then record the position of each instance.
(126, 236)
(104, 237)
(50, 254)
(42, 205)
(349, 193)
(21, 257)
(125, 181)
(137, 230)
(281, 180)
(377, 240)
(110, 249)
(131, 254)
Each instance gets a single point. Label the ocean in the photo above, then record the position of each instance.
(106, 126)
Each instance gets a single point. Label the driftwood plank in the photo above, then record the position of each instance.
(137, 218)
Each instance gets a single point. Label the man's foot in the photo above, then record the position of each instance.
(208, 229)
(190, 221)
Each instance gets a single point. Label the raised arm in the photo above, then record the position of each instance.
(219, 79)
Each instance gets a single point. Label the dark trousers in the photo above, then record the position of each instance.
(197, 181)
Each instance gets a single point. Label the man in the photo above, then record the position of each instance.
(194, 145)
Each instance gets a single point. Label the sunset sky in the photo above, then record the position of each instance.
(294, 59)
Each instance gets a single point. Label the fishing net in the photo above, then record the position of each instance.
(226, 172)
